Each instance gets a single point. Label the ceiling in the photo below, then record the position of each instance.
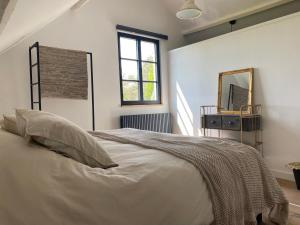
(4, 12)
(219, 11)
(23, 17)
(3, 5)
(20, 18)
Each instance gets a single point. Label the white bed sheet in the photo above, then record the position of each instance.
(150, 187)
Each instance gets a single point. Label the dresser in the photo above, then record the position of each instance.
(235, 110)
(247, 123)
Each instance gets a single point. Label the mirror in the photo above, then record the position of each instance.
(235, 91)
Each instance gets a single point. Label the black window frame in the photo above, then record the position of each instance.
(139, 61)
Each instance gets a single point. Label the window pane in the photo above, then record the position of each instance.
(148, 51)
(129, 70)
(130, 91)
(128, 48)
(150, 91)
(149, 71)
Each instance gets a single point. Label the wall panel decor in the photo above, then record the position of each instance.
(63, 73)
(60, 73)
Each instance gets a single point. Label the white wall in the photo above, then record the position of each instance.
(273, 49)
(92, 28)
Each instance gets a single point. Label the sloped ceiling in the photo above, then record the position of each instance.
(219, 11)
(3, 5)
(23, 17)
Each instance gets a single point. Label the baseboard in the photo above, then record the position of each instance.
(283, 175)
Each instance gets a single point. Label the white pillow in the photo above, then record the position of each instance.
(21, 122)
(9, 124)
(2, 123)
(63, 136)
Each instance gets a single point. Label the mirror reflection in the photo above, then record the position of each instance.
(235, 90)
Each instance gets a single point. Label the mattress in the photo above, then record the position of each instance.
(149, 187)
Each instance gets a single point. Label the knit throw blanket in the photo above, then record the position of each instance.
(240, 184)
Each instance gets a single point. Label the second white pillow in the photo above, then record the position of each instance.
(63, 136)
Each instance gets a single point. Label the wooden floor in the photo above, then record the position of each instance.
(293, 196)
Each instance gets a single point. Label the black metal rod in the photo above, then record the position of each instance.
(120, 67)
(142, 32)
(158, 72)
(36, 45)
(136, 60)
(92, 89)
(140, 67)
(30, 67)
(39, 74)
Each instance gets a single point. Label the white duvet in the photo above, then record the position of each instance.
(150, 187)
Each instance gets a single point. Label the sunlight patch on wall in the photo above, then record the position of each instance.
(184, 114)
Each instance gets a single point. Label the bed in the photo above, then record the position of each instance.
(41, 187)
(148, 187)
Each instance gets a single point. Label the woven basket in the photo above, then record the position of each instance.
(294, 165)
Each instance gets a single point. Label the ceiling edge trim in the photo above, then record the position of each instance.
(253, 27)
(235, 16)
(7, 13)
(39, 28)
(79, 4)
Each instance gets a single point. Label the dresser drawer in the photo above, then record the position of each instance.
(252, 123)
(231, 123)
(212, 122)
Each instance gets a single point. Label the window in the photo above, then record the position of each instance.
(139, 61)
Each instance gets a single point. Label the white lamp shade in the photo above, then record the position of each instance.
(189, 11)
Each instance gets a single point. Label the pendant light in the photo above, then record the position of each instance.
(189, 11)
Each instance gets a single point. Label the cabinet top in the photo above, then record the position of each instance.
(233, 115)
